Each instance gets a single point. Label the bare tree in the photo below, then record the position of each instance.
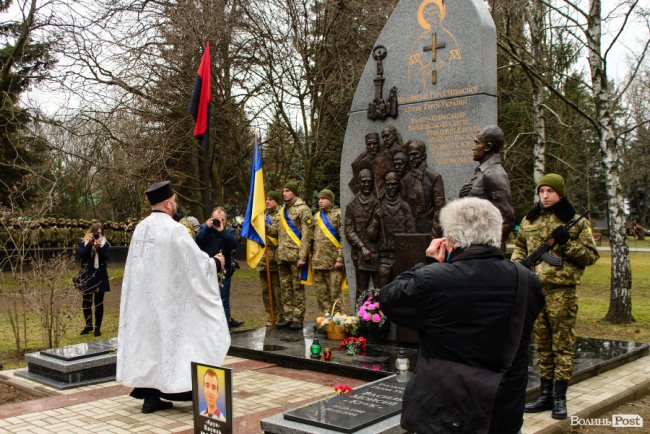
(585, 26)
(312, 53)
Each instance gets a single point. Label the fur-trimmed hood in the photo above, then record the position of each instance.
(562, 210)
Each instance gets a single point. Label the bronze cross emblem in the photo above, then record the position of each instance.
(434, 47)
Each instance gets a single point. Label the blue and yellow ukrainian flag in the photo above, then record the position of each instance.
(253, 229)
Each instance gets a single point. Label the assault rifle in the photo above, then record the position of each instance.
(542, 253)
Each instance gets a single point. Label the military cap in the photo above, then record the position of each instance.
(276, 196)
(292, 186)
(553, 180)
(326, 194)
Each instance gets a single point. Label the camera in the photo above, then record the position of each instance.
(96, 235)
(216, 223)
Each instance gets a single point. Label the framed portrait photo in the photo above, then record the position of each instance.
(212, 397)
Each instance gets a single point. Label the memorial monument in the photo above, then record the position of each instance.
(439, 61)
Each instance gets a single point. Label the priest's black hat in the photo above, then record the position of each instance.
(159, 192)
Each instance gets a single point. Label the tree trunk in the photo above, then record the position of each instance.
(535, 18)
(620, 306)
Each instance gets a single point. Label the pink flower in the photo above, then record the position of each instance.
(376, 318)
(366, 316)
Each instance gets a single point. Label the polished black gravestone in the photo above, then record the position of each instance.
(291, 349)
(409, 250)
(73, 365)
(367, 405)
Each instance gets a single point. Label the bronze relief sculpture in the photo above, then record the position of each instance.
(379, 108)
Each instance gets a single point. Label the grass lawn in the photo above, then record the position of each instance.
(593, 300)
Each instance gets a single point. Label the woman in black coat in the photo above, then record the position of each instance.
(93, 254)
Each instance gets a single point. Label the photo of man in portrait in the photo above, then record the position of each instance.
(212, 407)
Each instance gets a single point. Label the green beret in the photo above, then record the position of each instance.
(326, 194)
(292, 186)
(275, 196)
(553, 180)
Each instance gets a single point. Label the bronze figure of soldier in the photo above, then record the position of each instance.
(358, 214)
(391, 139)
(490, 180)
(378, 163)
(392, 216)
(424, 190)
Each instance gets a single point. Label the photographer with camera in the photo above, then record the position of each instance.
(214, 237)
(93, 279)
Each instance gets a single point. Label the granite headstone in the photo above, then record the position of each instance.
(439, 59)
(353, 411)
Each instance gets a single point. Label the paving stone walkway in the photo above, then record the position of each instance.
(261, 390)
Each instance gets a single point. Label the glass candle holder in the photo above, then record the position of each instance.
(315, 348)
(327, 354)
(402, 363)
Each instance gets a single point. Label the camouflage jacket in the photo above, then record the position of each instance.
(272, 244)
(324, 254)
(300, 214)
(579, 252)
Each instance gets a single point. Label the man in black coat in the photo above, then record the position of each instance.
(461, 305)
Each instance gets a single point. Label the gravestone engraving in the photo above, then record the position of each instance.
(353, 411)
(441, 56)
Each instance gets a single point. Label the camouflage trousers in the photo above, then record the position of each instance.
(554, 334)
(327, 284)
(277, 295)
(293, 292)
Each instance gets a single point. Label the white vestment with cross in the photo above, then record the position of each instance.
(171, 313)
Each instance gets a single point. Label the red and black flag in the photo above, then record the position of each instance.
(200, 102)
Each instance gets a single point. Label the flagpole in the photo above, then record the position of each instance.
(268, 284)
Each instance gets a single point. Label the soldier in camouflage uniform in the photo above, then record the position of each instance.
(327, 255)
(554, 329)
(272, 217)
(293, 253)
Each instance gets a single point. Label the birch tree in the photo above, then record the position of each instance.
(583, 21)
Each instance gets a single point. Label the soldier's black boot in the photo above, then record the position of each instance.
(545, 400)
(559, 400)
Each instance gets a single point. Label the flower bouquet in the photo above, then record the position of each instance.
(372, 321)
(336, 324)
(353, 346)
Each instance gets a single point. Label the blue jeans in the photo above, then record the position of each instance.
(225, 296)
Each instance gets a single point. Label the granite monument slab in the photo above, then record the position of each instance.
(74, 365)
(439, 59)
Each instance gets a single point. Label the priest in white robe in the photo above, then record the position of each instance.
(171, 313)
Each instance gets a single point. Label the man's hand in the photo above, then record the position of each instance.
(219, 257)
(560, 235)
(366, 253)
(339, 265)
(301, 263)
(437, 249)
(380, 212)
(216, 223)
